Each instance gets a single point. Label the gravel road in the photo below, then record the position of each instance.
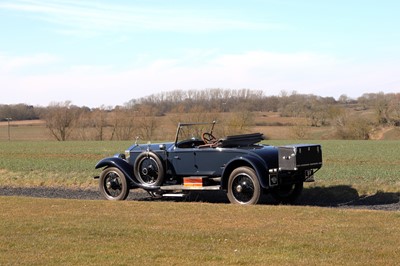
(334, 197)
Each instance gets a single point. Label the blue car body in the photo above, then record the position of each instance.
(236, 164)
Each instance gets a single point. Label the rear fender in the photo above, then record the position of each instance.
(122, 165)
(256, 163)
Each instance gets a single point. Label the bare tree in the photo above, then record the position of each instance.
(394, 109)
(99, 120)
(146, 121)
(240, 121)
(317, 115)
(123, 123)
(60, 118)
(18, 112)
(299, 132)
(352, 127)
(84, 125)
(382, 108)
(343, 99)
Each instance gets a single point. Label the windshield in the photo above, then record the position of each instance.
(193, 130)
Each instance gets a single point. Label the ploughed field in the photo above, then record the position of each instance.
(355, 173)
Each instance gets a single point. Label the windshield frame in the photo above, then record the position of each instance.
(182, 125)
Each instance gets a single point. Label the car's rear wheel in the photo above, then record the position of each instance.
(113, 185)
(287, 194)
(149, 169)
(243, 186)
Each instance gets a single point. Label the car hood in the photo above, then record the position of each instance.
(151, 146)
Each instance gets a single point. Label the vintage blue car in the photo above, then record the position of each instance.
(198, 161)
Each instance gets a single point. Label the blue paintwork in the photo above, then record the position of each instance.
(211, 162)
(191, 158)
(120, 163)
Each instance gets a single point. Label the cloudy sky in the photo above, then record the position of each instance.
(101, 52)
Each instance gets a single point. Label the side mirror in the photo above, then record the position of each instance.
(162, 147)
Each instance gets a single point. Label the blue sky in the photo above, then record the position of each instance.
(97, 53)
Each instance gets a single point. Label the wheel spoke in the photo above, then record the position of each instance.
(243, 188)
(148, 170)
(112, 184)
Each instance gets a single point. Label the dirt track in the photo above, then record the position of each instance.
(323, 197)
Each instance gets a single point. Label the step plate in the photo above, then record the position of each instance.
(182, 187)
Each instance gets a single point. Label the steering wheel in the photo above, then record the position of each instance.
(208, 138)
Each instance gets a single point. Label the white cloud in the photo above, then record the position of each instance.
(272, 72)
(15, 63)
(92, 17)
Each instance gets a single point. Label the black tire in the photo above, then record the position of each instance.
(149, 170)
(287, 194)
(243, 186)
(113, 184)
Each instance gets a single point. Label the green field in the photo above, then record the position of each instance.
(367, 166)
(75, 232)
(53, 163)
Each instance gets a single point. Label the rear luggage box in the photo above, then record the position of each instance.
(300, 157)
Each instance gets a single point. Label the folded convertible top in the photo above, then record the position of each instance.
(240, 140)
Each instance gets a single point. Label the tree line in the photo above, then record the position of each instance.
(139, 116)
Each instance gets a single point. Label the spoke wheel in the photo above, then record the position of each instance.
(243, 186)
(287, 194)
(113, 185)
(149, 169)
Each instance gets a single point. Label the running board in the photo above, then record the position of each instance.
(172, 195)
(182, 188)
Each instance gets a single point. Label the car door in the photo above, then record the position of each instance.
(212, 161)
(183, 162)
(201, 162)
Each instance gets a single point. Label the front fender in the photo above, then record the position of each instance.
(259, 166)
(121, 164)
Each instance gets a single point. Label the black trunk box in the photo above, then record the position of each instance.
(300, 157)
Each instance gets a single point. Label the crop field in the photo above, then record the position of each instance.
(367, 166)
(52, 163)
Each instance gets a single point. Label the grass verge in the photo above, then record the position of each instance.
(74, 232)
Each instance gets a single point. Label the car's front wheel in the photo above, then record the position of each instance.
(113, 185)
(243, 186)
